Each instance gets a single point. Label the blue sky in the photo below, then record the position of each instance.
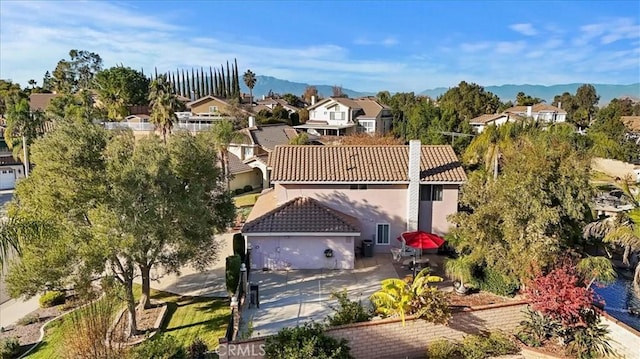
(365, 46)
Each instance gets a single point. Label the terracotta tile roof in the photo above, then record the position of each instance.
(40, 101)
(236, 165)
(483, 119)
(362, 164)
(303, 215)
(632, 122)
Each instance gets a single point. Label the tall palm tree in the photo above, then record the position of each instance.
(23, 127)
(164, 103)
(222, 134)
(249, 79)
(110, 98)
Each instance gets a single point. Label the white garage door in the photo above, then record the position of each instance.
(302, 253)
(7, 179)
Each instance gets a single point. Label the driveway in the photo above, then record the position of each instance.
(290, 298)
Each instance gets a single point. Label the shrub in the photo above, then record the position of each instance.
(50, 299)
(158, 347)
(481, 347)
(29, 319)
(348, 311)
(444, 349)
(497, 283)
(307, 341)
(238, 246)
(197, 350)
(88, 327)
(238, 191)
(9, 348)
(247, 188)
(232, 273)
(590, 342)
(536, 328)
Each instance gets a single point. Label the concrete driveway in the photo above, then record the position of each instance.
(290, 298)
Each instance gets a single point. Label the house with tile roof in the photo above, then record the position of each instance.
(252, 150)
(539, 112)
(336, 197)
(338, 116)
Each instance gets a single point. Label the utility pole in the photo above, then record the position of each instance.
(26, 159)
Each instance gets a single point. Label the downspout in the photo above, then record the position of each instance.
(413, 192)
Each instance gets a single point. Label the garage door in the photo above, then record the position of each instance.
(302, 253)
(7, 179)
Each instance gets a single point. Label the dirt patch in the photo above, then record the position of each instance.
(145, 321)
(477, 299)
(548, 347)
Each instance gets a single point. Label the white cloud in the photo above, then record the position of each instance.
(387, 41)
(524, 28)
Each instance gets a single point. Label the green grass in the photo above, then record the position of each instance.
(245, 200)
(187, 318)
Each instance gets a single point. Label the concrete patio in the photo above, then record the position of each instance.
(291, 298)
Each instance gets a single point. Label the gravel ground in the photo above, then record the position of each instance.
(29, 334)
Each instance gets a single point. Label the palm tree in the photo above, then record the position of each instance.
(23, 127)
(489, 146)
(461, 271)
(398, 297)
(622, 230)
(249, 79)
(110, 98)
(14, 232)
(223, 134)
(163, 102)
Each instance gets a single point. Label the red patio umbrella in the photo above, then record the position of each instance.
(421, 240)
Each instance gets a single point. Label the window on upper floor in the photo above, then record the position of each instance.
(213, 109)
(248, 152)
(369, 126)
(336, 116)
(431, 192)
(358, 186)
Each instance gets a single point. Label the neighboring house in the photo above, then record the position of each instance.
(336, 116)
(257, 142)
(539, 112)
(271, 103)
(10, 169)
(481, 122)
(210, 106)
(334, 197)
(242, 174)
(632, 123)
(40, 101)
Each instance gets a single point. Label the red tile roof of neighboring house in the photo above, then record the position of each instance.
(303, 215)
(369, 164)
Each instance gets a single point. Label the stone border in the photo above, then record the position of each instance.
(42, 328)
(621, 324)
(535, 353)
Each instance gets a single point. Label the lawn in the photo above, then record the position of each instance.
(187, 318)
(245, 200)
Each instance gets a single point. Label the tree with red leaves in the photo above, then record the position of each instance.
(562, 297)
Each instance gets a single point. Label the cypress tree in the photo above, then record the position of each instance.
(189, 94)
(198, 85)
(156, 72)
(237, 78)
(211, 91)
(223, 89)
(233, 82)
(184, 86)
(216, 85)
(229, 90)
(193, 83)
(203, 86)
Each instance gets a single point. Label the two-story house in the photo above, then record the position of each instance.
(334, 197)
(539, 112)
(337, 116)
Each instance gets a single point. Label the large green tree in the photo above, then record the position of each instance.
(76, 73)
(532, 212)
(120, 87)
(9, 92)
(164, 104)
(121, 207)
(469, 100)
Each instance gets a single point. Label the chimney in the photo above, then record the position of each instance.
(560, 105)
(313, 100)
(264, 97)
(413, 192)
(252, 121)
(529, 111)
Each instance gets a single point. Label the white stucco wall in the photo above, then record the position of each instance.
(301, 252)
(252, 178)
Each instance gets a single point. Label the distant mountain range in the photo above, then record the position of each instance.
(264, 84)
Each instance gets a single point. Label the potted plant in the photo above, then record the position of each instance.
(328, 253)
(460, 270)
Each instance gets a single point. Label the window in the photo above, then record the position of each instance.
(358, 186)
(431, 192)
(336, 116)
(248, 152)
(213, 109)
(382, 233)
(369, 126)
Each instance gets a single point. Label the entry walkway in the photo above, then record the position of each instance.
(291, 298)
